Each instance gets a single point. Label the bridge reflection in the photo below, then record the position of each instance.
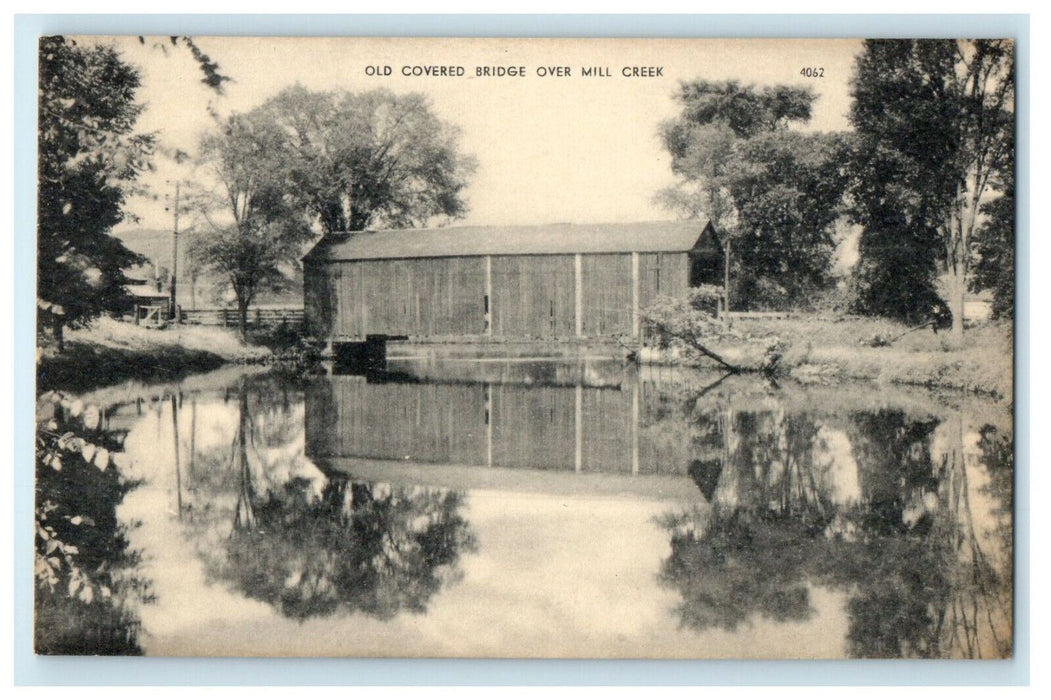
(542, 421)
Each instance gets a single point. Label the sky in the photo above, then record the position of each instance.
(549, 148)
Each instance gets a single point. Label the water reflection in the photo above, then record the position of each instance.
(592, 510)
(878, 504)
(312, 545)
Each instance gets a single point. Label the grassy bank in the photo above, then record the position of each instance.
(110, 351)
(826, 350)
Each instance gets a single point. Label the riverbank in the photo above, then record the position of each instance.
(108, 352)
(816, 350)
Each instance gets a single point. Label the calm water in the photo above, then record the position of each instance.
(522, 509)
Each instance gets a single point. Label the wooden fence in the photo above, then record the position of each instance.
(257, 318)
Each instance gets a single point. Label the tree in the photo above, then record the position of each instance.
(934, 122)
(372, 159)
(994, 267)
(88, 584)
(88, 161)
(340, 161)
(788, 187)
(773, 194)
(264, 221)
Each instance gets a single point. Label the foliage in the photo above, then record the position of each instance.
(357, 547)
(994, 267)
(311, 545)
(771, 193)
(896, 268)
(934, 122)
(88, 160)
(85, 580)
(682, 322)
(688, 324)
(788, 189)
(371, 159)
(269, 223)
(903, 549)
(343, 161)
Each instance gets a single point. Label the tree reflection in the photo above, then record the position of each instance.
(360, 547)
(312, 545)
(880, 508)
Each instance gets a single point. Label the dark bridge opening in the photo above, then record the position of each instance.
(367, 357)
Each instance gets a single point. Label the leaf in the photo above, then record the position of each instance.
(76, 408)
(102, 458)
(88, 451)
(91, 417)
(52, 545)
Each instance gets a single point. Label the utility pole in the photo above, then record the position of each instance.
(172, 311)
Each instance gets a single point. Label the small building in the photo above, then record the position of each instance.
(555, 282)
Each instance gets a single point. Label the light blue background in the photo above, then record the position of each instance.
(33, 670)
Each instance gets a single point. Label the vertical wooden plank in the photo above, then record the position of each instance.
(634, 295)
(488, 308)
(578, 457)
(578, 292)
(488, 425)
(635, 429)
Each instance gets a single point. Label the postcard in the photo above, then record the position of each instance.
(525, 348)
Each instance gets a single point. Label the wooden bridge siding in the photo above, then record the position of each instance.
(533, 296)
(425, 297)
(662, 274)
(607, 292)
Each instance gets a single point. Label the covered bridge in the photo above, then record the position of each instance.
(554, 282)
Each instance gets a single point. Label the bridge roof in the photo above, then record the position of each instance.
(551, 239)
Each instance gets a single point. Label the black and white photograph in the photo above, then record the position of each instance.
(546, 348)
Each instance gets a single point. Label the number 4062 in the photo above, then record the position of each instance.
(810, 72)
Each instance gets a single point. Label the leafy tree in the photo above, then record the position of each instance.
(263, 223)
(342, 161)
(994, 267)
(371, 159)
(788, 188)
(88, 161)
(773, 194)
(934, 122)
(87, 583)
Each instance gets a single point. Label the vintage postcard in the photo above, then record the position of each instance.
(525, 348)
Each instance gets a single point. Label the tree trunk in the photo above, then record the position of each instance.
(242, 319)
(959, 286)
(57, 329)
